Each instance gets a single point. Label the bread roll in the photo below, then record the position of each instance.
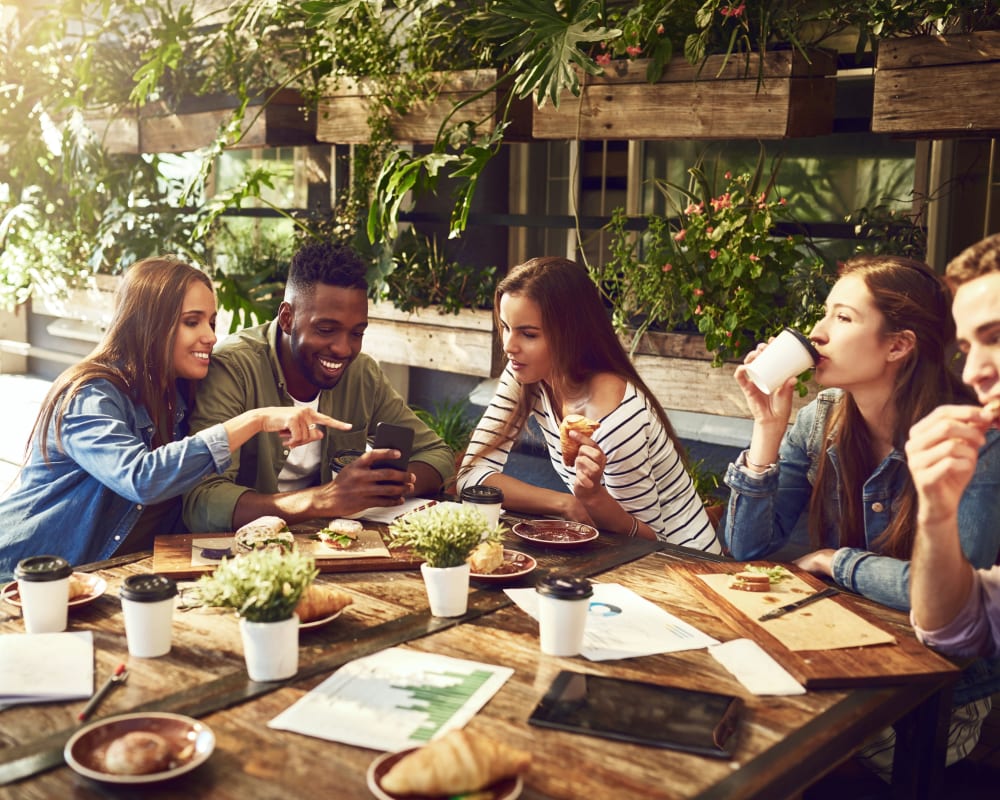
(570, 447)
(137, 753)
(460, 761)
(321, 600)
(265, 533)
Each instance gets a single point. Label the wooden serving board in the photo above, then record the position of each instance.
(897, 661)
(172, 556)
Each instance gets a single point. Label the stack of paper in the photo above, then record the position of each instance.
(43, 667)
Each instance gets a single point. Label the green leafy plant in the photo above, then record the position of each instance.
(443, 535)
(450, 420)
(718, 267)
(261, 586)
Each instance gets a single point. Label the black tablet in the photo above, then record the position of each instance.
(641, 713)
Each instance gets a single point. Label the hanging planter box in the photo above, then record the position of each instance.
(794, 98)
(272, 119)
(937, 85)
(344, 108)
(464, 343)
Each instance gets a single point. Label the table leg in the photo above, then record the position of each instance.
(921, 742)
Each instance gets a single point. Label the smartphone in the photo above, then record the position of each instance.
(393, 437)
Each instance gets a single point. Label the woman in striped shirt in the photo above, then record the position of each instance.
(629, 476)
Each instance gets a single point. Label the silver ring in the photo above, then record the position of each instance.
(312, 426)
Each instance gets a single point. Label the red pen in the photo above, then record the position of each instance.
(116, 677)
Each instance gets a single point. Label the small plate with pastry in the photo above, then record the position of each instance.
(139, 748)
(555, 532)
(458, 763)
(83, 588)
(321, 603)
(498, 564)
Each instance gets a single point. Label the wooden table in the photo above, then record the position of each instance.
(785, 743)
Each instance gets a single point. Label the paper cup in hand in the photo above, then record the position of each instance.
(790, 354)
(563, 605)
(43, 584)
(148, 606)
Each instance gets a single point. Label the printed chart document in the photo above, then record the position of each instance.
(621, 624)
(394, 699)
(44, 667)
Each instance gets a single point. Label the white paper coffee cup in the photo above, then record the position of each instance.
(488, 500)
(148, 606)
(563, 606)
(790, 354)
(43, 585)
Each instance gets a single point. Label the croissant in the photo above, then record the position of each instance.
(460, 761)
(570, 447)
(320, 600)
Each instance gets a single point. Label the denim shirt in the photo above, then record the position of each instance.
(83, 503)
(764, 508)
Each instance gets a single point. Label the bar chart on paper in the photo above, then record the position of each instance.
(394, 699)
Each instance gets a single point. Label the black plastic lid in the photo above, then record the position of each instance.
(565, 587)
(147, 588)
(485, 495)
(42, 568)
(805, 343)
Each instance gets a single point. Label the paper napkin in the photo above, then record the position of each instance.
(754, 668)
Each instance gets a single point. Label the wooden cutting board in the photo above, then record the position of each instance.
(897, 658)
(176, 557)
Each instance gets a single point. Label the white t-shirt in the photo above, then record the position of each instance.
(301, 468)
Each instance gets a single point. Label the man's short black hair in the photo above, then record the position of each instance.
(326, 262)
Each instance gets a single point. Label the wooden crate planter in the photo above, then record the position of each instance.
(343, 111)
(282, 121)
(795, 98)
(679, 372)
(464, 343)
(937, 85)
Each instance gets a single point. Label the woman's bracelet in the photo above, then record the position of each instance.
(761, 467)
(634, 529)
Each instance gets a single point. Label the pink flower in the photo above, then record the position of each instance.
(713, 254)
(753, 258)
(699, 292)
(659, 29)
(729, 334)
(733, 11)
(728, 175)
(709, 229)
(723, 201)
(697, 310)
(679, 236)
(667, 267)
(633, 50)
(694, 208)
(603, 59)
(782, 202)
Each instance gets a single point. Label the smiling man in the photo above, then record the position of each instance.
(309, 356)
(956, 608)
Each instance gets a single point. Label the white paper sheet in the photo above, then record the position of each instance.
(43, 667)
(394, 699)
(622, 624)
(388, 514)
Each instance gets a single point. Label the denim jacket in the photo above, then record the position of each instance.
(83, 503)
(763, 508)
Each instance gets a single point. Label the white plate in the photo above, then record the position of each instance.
(98, 586)
(506, 789)
(321, 621)
(191, 741)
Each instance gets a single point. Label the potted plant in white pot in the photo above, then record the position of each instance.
(263, 587)
(444, 535)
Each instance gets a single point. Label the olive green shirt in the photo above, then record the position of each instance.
(245, 373)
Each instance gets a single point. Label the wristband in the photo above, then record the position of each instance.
(634, 529)
(761, 467)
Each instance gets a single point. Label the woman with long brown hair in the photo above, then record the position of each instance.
(107, 458)
(564, 358)
(884, 344)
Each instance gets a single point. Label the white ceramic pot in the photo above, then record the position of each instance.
(447, 589)
(271, 649)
